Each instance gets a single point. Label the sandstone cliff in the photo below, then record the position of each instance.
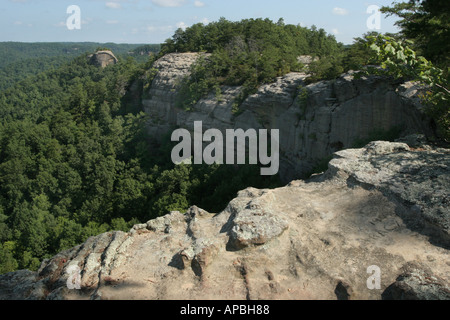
(314, 120)
(385, 205)
(103, 58)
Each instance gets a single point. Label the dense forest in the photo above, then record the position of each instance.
(251, 52)
(74, 163)
(21, 60)
(74, 153)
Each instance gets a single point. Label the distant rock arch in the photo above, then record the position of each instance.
(103, 58)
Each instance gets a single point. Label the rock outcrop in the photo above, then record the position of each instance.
(314, 120)
(385, 205)
(103, 58)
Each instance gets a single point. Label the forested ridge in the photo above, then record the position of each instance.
(74, 153)
(21, 60)
(74, 162)
(251, 52)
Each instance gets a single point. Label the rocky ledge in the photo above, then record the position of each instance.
(314, 120)
(383, 207)
(103, 58)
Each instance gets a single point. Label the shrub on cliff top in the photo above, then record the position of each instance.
(245, 53)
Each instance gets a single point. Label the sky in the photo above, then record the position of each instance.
(154, 21)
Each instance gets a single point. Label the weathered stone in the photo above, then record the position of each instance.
(103, 58)
(417, 284)
(419, 179)
(256, 225)
(309, 240)
(328, 117)
(386, 204)
(164, 224)
(305, 59)
(17, 285)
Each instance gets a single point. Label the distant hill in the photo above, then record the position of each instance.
(11, 52)
(19, 60)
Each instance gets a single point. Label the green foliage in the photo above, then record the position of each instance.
(75, 162)
(302, 97)
(246, 53)
(328, 68)
(198, 85)
(358, 55)
(7, 261)
(148, 80)
(427, 24)
(11, 52)
(21, 60)
(397, 59)
(145, 52)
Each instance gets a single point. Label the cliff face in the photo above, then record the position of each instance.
(103, 59)
(380, 210)
(314, 120)
(383, 208)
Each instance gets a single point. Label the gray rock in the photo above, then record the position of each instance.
(417, 284)
(17, 285)
(385, 204)
(255, 225)
(312, 239)
(305, 59)
(103, 58)
(332, 116)
(419, 179)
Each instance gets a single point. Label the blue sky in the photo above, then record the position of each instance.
(153, 21)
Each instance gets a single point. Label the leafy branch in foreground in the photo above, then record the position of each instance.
(396, 59)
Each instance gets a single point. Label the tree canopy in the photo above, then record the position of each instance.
(75, 162)
(427, 24)
(421, 53)
(74, 153)
(250, 52)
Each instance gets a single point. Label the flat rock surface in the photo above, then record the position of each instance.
(312, 239)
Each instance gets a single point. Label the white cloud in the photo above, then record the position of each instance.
(112, 21)
(113, 5)
(18, 23)
(169, 3)
(335, 31)
(181, 25)
(199, 4)
(340, 11)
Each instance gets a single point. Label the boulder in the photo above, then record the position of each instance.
(103, 59)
